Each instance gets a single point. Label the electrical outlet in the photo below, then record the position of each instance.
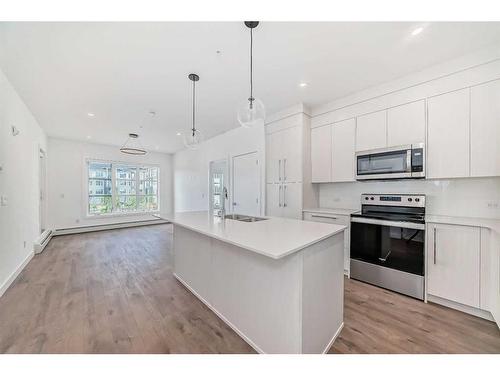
(494, 205)
(3, 200)
(24, 244)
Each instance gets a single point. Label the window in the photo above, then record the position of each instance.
(122, 188)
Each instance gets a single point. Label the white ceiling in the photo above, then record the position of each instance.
(120, 71)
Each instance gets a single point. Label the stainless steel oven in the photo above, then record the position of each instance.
(393, 162)
(387, 242)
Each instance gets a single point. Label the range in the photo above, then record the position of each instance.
(387, 242)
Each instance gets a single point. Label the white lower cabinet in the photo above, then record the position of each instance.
(284, 200)
(335, 219)
(453, 263)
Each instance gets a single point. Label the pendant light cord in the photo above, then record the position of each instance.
(251, 66)
(194, 97)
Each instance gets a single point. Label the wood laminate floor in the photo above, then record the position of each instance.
(114, 292)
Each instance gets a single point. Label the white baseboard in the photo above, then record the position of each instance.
(96, 228)
(333, 338)
(7, 283)
(222, 317)
(460, 307)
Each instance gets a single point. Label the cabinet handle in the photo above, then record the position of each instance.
(279, 196)
(325, 217)
(284, 196)
(435, 245)
(284, 169)
(279, 169)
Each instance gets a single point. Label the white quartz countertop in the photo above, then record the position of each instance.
(332, 211)
(275, 237)
(493, 224)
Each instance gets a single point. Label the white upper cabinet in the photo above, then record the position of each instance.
(485, 130)
(321, 154)
(448, 135)
(343, 160)
(453, 263)
(371, 131)
(406, 124)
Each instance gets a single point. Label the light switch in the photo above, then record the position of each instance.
(3, 200)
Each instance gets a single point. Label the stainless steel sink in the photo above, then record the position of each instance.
(248, 219)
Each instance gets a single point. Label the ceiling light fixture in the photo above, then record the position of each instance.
(417, 31)
(90, 114)
(194, 137)
(303, 84)
(179, 133)
(251, 112)
(133, 146)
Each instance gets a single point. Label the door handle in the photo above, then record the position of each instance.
(435, 241)
(284, 196)
(279, 169)
(279, 196)
(284, 169)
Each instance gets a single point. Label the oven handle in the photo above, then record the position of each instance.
(389, 223)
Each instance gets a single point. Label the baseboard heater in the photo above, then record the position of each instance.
(95, 228)
(47, 235)
(42, 241)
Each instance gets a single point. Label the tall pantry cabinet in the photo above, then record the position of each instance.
(288, 165)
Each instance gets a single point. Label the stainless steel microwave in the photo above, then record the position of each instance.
(398, 162)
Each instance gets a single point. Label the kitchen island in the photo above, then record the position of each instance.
(277, 282)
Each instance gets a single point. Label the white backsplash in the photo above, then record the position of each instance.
(471, 197)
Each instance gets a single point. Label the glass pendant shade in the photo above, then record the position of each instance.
(192, 139)
(251, 113)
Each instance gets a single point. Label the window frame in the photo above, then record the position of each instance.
(114, 192)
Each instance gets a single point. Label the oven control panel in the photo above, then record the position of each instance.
(407, 200)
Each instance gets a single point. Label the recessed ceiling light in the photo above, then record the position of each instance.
(178, 133)
(417, 31)
(90, 114)
(303, 84)
(89, 137)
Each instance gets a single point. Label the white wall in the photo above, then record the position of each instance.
(19, 219)
(470, 197)
(192, 166)
(67, 186)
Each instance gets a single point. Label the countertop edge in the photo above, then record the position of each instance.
(257, 251)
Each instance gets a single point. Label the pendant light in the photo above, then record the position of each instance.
(251, 112)
(194, 137)
(133, 146)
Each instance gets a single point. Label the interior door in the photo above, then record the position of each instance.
(42, 186)
(246, 184)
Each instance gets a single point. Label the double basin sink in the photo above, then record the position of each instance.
(248, 219)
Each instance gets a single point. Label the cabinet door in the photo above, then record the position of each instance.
(406, 124)
(273, 157)
(485, 130)
(274, 196)
(291, 151)
(292, 200)
(321, 154)
(448, 135)
(453, 263)
(371, 131)
(343, 158)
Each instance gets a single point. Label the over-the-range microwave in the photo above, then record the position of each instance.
(391, 163)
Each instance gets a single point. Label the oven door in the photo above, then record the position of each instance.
(396, 245)
(383, 164)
